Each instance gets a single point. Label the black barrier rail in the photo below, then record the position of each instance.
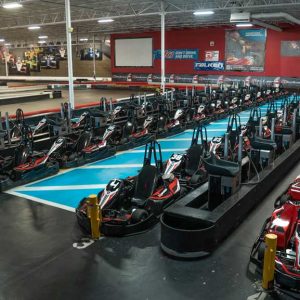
(187, 231)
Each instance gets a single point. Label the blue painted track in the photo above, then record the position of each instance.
(67, 188)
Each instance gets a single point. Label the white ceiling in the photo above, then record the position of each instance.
(129, 16)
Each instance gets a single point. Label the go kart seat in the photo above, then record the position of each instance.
(82, 142)
(262, 144)
(221, 167)
(145, 185)
(21, 154)
(56, 122)
(194, 155)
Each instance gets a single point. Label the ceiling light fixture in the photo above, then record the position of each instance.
(2, 40)
(7, 44)
(105, 20)
(244, 25)
(12, 5)
(41, 42)
(83, 39)
(34, 27)
(203, 12)
(43, 37)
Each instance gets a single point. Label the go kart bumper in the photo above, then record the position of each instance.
(286, 278)
(22, 178)
(85, 158)
(114, 229)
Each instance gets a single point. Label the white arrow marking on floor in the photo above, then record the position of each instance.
(112, 166)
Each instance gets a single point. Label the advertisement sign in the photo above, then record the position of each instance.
(192, 54)
(211, 55)
(209, 66)
(207, 79)
(290, 48)
(245, 50)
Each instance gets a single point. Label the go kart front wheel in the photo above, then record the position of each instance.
(139, 215)
(261, 252)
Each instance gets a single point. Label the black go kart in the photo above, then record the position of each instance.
(285, 223)
(132, 205)
(27, 165)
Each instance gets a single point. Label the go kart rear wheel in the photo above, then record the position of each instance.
(139, 215)
(261, 252)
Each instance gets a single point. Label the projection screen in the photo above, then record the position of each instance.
(135, 52)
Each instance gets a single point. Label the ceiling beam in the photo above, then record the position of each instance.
(84, 15)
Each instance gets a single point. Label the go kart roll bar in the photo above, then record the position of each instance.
(7, 128)
(150, 148)
(198, 131)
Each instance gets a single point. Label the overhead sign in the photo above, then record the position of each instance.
(209, 66)
(211, 55)
(191, 54)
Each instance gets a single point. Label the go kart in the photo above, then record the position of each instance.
(99, 148)
(132, 205)
(189, 167)
(285, 223)
(27, 165)
(49, 62)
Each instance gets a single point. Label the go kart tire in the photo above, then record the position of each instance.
(183, 191)
(261, 252)
(139, 215)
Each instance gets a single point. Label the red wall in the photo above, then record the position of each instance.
(275, 65)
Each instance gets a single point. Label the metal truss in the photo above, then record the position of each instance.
(129, 15)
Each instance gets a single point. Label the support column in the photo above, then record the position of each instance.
(163, 32)
(69, 31)
(94, 58)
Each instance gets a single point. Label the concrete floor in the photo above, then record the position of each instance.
(81, 97)
(38, 261)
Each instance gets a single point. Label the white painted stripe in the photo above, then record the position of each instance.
(39, 200)
(179, 139)
(208, 129)
(162, 150)
(61, 187)
(61, 172)
(112, 166)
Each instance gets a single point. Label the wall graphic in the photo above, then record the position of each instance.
(209, 66)
(192, 54)
(245, 50)
(290, 48)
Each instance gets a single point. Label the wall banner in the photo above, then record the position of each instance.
(209, 66)
(245, 50)
(191, 54)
